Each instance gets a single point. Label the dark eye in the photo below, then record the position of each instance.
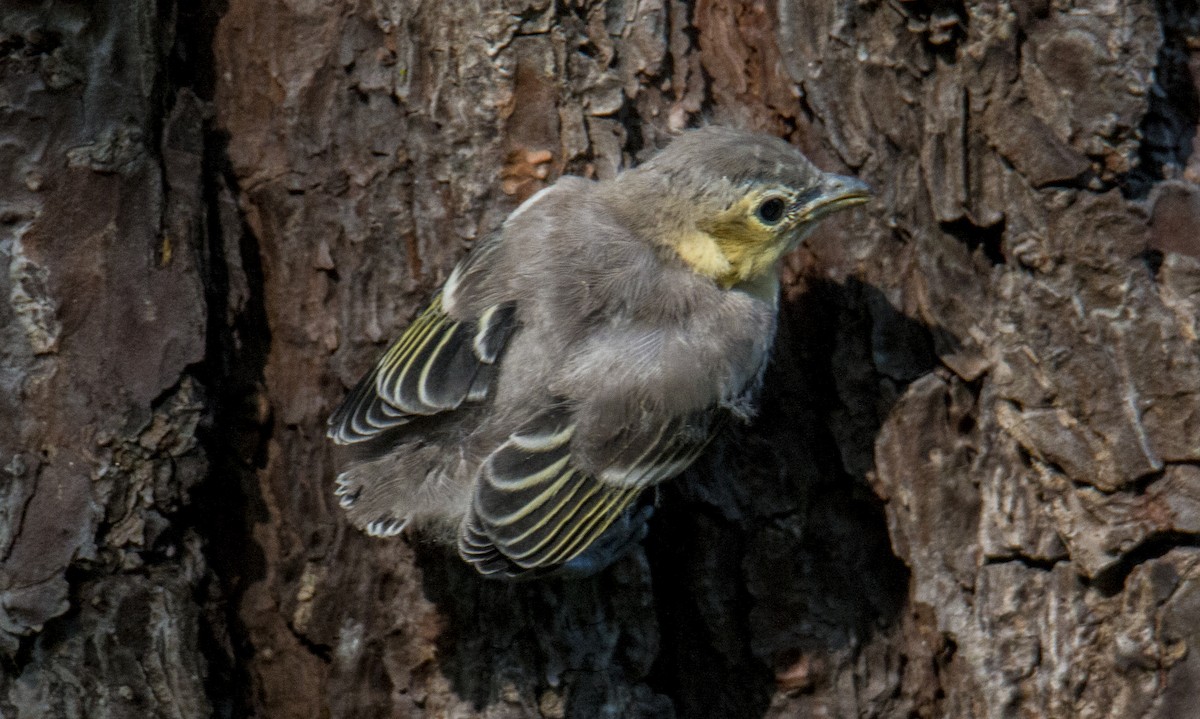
(771, 210)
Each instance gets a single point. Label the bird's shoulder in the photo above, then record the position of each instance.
(570, 253)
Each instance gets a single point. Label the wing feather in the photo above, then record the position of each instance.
(436, 365)
(535, 509)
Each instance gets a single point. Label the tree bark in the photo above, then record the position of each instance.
(973, 489)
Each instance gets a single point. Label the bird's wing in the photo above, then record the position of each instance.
(640, 399)
(437, 364)
(534, 508)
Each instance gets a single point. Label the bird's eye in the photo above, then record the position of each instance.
(771, 210)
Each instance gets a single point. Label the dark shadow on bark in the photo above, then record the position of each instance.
(580, 637)
(226, 506)
(1174, 112)
(233, 434)
(771, 553)
(772, 559)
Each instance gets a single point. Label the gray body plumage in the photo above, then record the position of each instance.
(576, 357)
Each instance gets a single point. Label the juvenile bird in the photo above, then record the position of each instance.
(586, 350)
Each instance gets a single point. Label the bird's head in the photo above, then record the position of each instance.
(731, 203)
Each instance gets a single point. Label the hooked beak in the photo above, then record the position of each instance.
(836, 192)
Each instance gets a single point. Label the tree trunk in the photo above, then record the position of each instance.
(973, 489)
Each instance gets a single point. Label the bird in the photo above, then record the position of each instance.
(585, 351)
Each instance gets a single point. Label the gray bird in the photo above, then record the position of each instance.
(586, 350)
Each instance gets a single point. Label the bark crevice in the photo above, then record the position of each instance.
(237, 427)
(1169, 126)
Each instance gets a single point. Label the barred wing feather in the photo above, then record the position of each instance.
(534, 509)
(436, 365)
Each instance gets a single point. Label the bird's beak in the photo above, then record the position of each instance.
(836, 192)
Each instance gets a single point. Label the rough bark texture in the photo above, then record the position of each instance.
(974, 487)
